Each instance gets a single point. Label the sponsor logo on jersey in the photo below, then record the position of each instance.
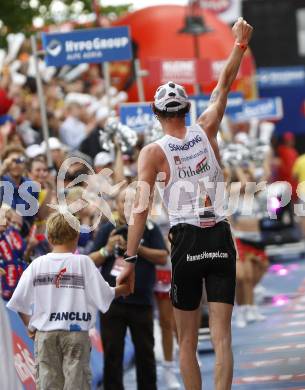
(177, 160)
(70, 316)
(186, 146)
(202, 166)
(66, 280)
(187, 158)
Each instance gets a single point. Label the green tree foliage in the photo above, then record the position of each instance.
(18, 15)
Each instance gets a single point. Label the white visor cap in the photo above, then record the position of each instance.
(170, 97)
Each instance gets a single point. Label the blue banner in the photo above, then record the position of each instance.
(87, 46)
(139, 116)
(262, 109)
(234, 104)
(291, 76)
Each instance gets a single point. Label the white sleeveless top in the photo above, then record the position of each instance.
(195, 174)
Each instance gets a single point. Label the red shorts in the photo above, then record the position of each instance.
(244, 249)
(163, 283)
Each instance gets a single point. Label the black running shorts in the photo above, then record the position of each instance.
(198, 253)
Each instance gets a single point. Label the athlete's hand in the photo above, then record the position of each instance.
(242, 31)
(127, 276)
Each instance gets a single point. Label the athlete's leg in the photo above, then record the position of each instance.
(220, 326)
(187, 327)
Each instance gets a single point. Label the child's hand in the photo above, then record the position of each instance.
(123, 290)
(31, 334)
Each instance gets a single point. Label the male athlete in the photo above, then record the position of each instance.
(202, 246)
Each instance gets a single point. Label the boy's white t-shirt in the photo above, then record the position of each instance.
(61, 291)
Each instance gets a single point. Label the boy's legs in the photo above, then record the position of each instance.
(48, 357)
(76, 349)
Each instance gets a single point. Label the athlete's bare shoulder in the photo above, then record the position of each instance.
(152, 153)
(149, 163)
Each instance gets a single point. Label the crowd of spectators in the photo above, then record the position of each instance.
(77, 109)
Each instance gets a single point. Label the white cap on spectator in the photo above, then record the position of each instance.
(113, 91)
(34, 150)
(241, 138)
(54, 144)
(79, 98)
(102, 159)
(122, 96)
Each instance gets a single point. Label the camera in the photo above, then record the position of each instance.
(121, 231)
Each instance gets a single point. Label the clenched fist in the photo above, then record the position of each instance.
(242, 31)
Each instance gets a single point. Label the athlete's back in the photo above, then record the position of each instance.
(194, 191)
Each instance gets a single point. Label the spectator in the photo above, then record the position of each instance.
(12, 171)
(103, 160)
(287, 154)
(58, 151)
(74, 130)
(91, 144)
(298, 171)
(252, 262)
(12, 251)
(85, 215)
(38, 172)
(136, 311)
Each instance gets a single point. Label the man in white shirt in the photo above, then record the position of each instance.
(75, 127)
(57, 298)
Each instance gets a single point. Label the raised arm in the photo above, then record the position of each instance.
(211, 118)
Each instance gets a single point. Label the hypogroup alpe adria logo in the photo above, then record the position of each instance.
(54, 48)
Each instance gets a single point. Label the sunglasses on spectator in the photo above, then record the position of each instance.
(19, 160)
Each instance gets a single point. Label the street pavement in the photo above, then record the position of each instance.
(268, 354)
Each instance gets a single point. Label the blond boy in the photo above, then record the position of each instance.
(57, 298)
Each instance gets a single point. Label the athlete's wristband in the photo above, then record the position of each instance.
(243, 46)
(104, 252)
(130, 259)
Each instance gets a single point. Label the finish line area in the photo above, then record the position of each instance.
(268, 354)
